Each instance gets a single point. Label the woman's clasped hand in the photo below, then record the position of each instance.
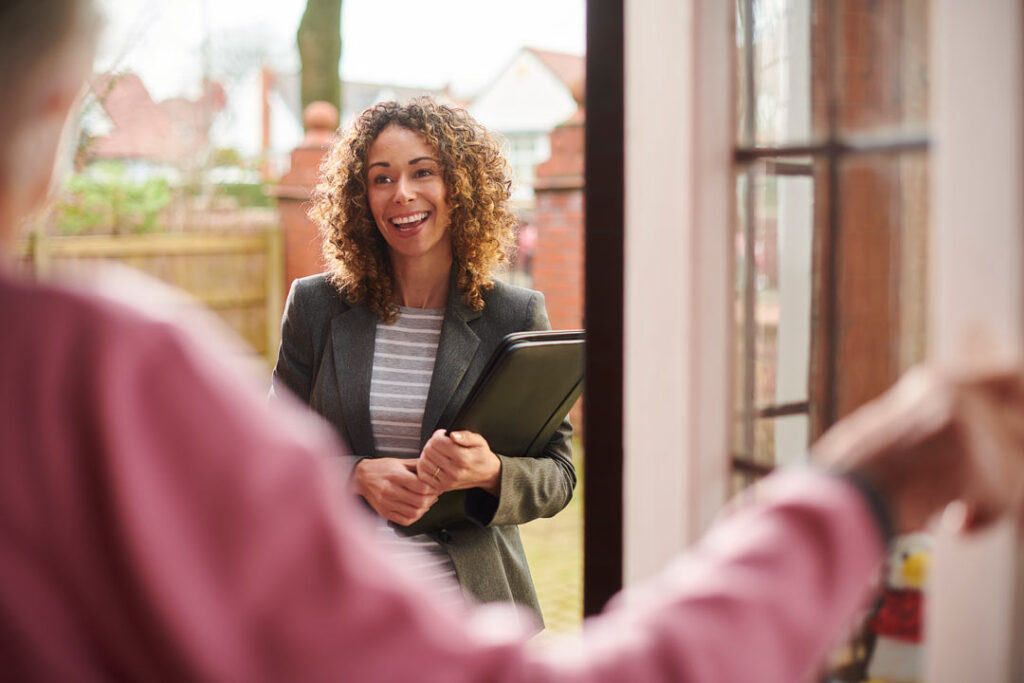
(393, 489)
(402, 490)
(461, 460)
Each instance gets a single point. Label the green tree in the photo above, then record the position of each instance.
(319, 40)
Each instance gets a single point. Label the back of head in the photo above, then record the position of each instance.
(42, 46)
(46, 49)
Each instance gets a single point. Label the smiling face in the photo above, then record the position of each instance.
(408, 198)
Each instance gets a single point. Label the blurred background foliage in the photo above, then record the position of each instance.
(104, 198)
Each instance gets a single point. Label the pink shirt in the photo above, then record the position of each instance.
(159, 522)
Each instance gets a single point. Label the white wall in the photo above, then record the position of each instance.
(977, 291)
(678, 242)
(524, 97)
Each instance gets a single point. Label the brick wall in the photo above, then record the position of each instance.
(301, 240)
(558, 260)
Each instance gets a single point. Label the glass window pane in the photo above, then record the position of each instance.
(882, 65)
(779, 442)
(774, 58)
(743, 391)
(773, 288)
(782, 441)
(782, 259)
(882, 274)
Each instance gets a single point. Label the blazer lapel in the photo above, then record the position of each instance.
(353, 333)
(455, 352)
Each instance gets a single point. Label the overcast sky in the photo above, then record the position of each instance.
(404, 42)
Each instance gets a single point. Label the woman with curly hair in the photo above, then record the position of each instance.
(412, 206)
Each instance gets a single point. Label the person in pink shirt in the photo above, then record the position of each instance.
(158, 521)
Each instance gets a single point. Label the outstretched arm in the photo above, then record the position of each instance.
(238, 559)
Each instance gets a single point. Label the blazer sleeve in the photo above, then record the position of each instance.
(534, 487)
(294, 368)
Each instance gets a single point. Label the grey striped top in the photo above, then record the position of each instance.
(403, 361)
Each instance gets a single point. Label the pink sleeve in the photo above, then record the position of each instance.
(217, 544)
(229, 554)
(761, 597)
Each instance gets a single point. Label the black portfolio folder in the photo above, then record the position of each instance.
(524, 392)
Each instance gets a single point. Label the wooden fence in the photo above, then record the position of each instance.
(240, 276)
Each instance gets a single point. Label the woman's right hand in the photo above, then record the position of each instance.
(391, 487)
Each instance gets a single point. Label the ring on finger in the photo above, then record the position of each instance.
(437, 471)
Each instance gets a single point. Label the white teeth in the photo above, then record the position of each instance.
(414, 218)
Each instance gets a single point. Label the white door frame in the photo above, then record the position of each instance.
(677, 283)
(678, 292)
(976, 265)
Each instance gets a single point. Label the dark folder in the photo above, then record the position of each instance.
(524, 392)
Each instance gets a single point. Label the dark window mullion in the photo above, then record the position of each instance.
(749, 315)
(831, 254)
(747, 466)
(603, 303)
(835, 147)
(782, 410)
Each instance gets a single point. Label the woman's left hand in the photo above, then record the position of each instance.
(461, 461)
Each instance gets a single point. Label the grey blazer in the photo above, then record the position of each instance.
(326, 359)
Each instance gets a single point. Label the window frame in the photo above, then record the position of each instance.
(978, 100)
(992, 86)
(832, 150)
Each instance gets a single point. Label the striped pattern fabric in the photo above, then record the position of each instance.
(403, 361)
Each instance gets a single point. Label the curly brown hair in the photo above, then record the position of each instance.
(476, 178)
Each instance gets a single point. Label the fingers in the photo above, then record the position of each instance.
(405, 513)
(468, 439)
(994, 438)
(989, 417)
(443, 464)
(440, 448)
(460, 461)
(438, 464)
(935, 437)
(389, 482)
(981, 518)
(402, 506)
(411, 481)
(992, 370)
(425, 485)
(431, 474)
(449, 446)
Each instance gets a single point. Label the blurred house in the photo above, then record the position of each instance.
(535, 92)
(535, 103)
(355, 97)
(524, 102)
(264, 119)
(121, 121)
(359, 96)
